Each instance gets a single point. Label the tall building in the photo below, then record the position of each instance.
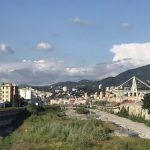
(9, 93)
(25, 93)
(65, 89)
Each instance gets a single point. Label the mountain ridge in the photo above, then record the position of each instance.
(142, 72)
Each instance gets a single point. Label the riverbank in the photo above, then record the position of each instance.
(140, 128)
(52, 129)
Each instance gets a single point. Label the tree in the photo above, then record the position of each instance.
(123, 113)
(32, 108)
(146, 102)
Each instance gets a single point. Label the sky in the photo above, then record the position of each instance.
(47, 41)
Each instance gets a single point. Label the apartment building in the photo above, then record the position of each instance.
(9, 93)
(25, 93)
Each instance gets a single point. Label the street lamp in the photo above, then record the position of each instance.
(37, 104)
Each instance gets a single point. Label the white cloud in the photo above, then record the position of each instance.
(138, 52)
(76, 71)
(39, 72)
(100, 71)
(80, 22)
(125, 25)
(32, 71)
(4, 49)
(44, 46)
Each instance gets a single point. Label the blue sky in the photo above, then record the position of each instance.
(81, 34)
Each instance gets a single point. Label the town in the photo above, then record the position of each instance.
(74, 75)
(109, 104)
(128, 96)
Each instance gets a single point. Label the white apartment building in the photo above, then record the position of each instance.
(25, 93)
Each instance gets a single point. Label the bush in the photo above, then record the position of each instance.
(146, 102)
(61, 114)
(32, 108)
(123, 113)
(82, 110)
(52, 108)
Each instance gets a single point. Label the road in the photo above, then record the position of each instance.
(140, 128)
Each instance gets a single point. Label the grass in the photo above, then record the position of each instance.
(126, 143)
(52, 130)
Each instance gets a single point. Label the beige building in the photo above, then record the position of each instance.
(9, 93)
(68, 101)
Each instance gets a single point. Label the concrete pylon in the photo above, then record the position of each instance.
(134, 87)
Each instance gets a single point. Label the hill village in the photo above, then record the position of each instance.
(115, 98)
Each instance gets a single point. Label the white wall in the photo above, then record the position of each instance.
(25, 93)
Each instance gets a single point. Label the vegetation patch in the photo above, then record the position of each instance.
(51, 131)
(81, 109)
(124, 113)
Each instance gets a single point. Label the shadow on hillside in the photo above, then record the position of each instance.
(8, 129)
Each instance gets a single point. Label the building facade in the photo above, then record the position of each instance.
(25, 93)
(9, 93)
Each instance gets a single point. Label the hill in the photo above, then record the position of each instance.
(142, 72)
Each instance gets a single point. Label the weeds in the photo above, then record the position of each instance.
(50, 130)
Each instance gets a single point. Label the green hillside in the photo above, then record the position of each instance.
(142, 72)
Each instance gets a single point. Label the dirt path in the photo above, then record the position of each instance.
(140, 128)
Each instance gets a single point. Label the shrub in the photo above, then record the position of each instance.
(82, 110)
(146, 102)
(123, 113)
(52, 108)
(61, 114)
(32, 108)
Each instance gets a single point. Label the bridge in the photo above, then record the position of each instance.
(132, 89)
